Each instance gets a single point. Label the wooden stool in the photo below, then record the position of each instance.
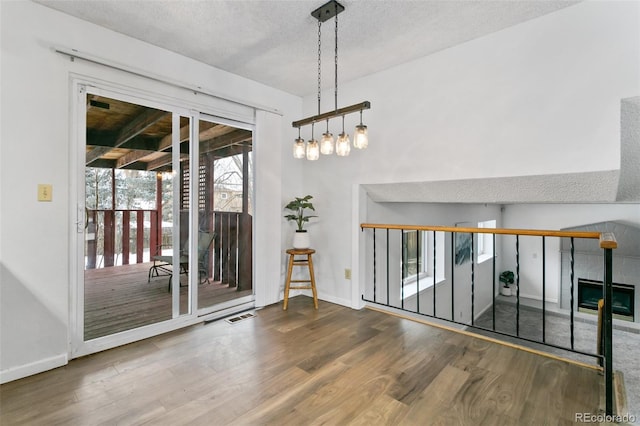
(300, 262)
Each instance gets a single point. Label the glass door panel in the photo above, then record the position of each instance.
(129, 241)
(224, 209)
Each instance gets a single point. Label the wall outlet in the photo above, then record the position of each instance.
(347, 274)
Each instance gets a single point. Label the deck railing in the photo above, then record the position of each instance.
(386, 280)
(233, 254)
(138, 235)
(109, 236)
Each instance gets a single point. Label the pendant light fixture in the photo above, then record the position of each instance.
(299, 149)
(360, 137)
(312, 149)
(343, 145)
(326, 146)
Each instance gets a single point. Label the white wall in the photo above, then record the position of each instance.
(35, 148)
(542, 97)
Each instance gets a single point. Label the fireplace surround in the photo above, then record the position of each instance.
(588, 265)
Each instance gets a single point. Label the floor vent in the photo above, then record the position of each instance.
(237, 318)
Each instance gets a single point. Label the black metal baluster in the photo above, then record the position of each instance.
(572, 278)
(453, 261)
(374, 265)
(544, 294)
(473, 271)
(402, 264)
(518, 285)
(418, 271)
(608, 334)
(493, 297)
(388, 301)
(434, 273)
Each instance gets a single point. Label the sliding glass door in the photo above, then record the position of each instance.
(165, 228)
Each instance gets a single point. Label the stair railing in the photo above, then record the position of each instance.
(378, 294)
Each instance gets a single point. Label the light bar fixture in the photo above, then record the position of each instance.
(312, 149)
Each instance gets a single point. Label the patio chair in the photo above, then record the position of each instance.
(163, 264)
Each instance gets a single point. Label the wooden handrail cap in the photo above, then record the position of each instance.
(608, 241)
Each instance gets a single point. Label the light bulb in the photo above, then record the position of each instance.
(343, 145)
(313, 150)
(326, 145)
(298, 148)
(360, 137)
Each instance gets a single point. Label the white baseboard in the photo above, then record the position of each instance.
(343, 302)
(538, 298)
(26, 370)
(321, 296)
(327, 298)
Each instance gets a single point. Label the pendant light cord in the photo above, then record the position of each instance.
(319, 61)
(336, 63)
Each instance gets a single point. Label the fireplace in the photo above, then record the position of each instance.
(590, 291)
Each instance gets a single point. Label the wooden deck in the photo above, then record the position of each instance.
(119, 298)
(333, 366)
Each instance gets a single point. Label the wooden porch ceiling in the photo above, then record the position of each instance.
(123, 135)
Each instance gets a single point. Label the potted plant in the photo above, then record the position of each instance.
(298, 205)
(506, 278)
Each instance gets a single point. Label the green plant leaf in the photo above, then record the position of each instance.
(298, 205)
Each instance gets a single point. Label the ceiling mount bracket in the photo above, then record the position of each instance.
(327, 11)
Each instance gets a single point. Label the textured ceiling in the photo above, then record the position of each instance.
(275, 42)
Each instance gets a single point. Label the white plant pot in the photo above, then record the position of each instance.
(301, 240)
(505, 291)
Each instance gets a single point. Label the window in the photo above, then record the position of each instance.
(485, 242)
(224, 195)
(413, 261)
(418, 266)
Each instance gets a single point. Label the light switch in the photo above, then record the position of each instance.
(45, 192)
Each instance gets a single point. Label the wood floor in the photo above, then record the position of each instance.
(119, 298)
(333, 366)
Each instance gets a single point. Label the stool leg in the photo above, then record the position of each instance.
(288, 284)
(313, 282)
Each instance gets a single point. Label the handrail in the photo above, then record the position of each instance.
(501, 231)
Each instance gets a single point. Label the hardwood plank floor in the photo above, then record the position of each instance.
(333, 366)
(119, 298)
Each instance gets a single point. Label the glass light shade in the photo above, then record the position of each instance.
(326, 145)
(360, 138)
(298, 148)
(313, 150)
(343, 145)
